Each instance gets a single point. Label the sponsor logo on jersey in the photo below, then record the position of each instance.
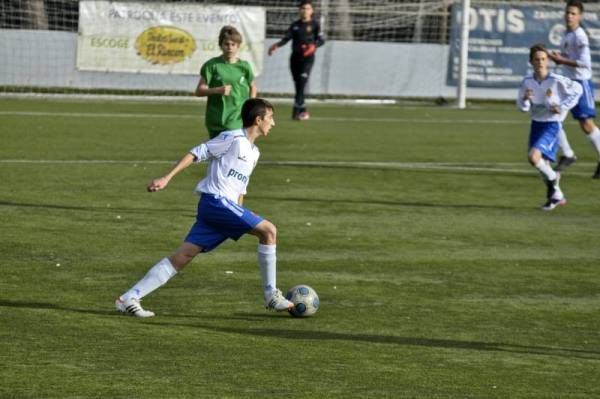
(237, 175)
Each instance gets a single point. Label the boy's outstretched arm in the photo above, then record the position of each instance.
(161, 182)
(561, 59)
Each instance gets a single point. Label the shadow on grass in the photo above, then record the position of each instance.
(296, 334)
(187, 212)
(374, 201)
(405, 341)
(191, 212)
(51, 306)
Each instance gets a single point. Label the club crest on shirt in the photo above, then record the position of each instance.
(549, 93)
(308, 28)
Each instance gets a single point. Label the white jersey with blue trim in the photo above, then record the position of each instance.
(575, 45)
(231, 159)
(554, 90)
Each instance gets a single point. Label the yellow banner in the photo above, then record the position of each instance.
(163, 37)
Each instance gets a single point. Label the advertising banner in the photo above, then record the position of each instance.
(155, 37)
(501, 34)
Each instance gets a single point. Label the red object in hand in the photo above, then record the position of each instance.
(273, 47)
(309, 49)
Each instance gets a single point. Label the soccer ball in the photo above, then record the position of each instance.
(305, 300)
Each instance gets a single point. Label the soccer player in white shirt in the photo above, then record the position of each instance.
(547, 97)
(576, 59)
(232, 157)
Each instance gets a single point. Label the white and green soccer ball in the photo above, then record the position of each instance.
(305, 300)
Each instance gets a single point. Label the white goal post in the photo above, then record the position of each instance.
(461, 86)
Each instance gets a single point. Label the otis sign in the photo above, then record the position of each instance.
(500, 35)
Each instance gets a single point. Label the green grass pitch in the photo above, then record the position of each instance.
(419, 227)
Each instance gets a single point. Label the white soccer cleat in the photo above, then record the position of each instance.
(276, 301)
(304, 116)
(132, 307)
(553, 203)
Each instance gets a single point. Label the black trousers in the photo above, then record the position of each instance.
(300, 67)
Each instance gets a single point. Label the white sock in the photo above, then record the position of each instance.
(157, 276)
(267, 260)
(564, 144)
(594, 138)
(546, 170)
(558, 194)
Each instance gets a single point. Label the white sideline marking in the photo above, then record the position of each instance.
(423, 120)
(501, 167)
(98, 114)
(84, 161)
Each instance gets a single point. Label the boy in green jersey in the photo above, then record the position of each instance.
(228, 82)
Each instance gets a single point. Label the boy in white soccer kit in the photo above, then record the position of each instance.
(547, 97)
(577, 65)
(232, 157)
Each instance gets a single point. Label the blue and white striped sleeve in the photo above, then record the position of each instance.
(570, 92)
(522, 104)
(584, 59)
(213, 148)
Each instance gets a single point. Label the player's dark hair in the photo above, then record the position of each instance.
(575, 3)
(304, 2)
(253, 108)
(229, 32)
(535, 48)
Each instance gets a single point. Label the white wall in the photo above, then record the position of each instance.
(47, 59)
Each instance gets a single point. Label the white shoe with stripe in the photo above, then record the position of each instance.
(276, 301)
(132, 307)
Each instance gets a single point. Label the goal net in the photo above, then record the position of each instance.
(374, 48)
(42, 48)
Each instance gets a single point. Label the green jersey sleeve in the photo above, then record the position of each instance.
(205, 72)
(249, 73)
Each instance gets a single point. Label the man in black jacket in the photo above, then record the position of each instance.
(305, 34)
